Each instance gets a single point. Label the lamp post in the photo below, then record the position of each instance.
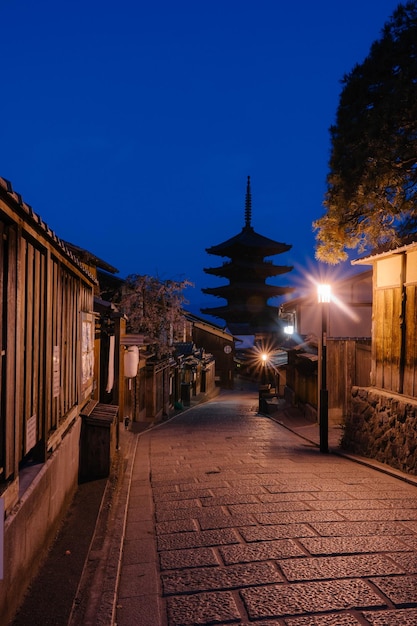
(264, 358)
(324, 293)
(263, 387)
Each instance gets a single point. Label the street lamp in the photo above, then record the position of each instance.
(324, 294)
(264, 358)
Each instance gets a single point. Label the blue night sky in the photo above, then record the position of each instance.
(131, 127)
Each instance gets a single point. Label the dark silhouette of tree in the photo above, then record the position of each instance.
(371, 194)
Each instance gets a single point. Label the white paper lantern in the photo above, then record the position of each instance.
(131, 361)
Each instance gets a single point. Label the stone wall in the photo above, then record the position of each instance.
(382, 426)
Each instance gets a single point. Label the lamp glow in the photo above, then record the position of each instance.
(324, 293)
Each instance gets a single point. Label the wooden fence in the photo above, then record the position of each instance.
(348, 364)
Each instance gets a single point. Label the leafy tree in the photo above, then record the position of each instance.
(371, 194)
(154, 308)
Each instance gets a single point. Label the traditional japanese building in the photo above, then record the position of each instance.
(247, 310)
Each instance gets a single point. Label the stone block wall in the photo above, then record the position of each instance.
(382, 426)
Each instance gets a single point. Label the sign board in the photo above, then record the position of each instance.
(30, 433)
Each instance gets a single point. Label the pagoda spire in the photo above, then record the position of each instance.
(248, 205)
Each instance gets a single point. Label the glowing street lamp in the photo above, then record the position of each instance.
(324, 296)
(264, 359)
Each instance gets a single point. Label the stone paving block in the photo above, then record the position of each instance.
(218, 578)
(252, 481)
(157, 490)
(169, 505)
(382, 515)
(301, 496)
(229, 498)
(352, 545)
(411, 525)
(290, 517)
(209, 521)
(283, 548)
(399, 617)
(305, 598)
(341, 529)
(176, 526)
(338, 567)
(410, 541)
(335, 619)
(407, 560)
(348, 505)
(203, 608)
(173, 514)
(201, 539)
(406, 503)
(382, 494)
(268, 507)
(279, 531)
(222, 490)
(193, 492)
(329, 496)
(401, 590)
(160, 480)
(193, 557)
(293, 487)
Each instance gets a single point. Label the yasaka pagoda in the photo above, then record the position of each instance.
(247, 310)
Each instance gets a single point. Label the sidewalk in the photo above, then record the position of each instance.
(232, 518)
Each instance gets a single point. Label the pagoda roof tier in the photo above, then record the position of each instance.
(258, 270)
(238, 290)
(249, 242)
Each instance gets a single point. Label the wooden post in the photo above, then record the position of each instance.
(118, 388)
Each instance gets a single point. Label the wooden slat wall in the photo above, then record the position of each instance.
(41, 298)
(410, 344)
(33, 272)
(65, 326)
(387, 338)
(362, 365)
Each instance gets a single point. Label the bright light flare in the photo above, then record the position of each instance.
(260, 358)
(324, 292)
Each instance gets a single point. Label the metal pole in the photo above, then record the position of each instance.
(324, 394)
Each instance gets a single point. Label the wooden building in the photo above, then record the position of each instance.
(46, 378)
(218, 342)
(348, 345)
(382, 424)
(247, 292)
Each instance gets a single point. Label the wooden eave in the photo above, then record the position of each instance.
(90, 258)
(369, 260)
(18, 211)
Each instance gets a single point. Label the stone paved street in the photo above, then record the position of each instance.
(233, 518)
